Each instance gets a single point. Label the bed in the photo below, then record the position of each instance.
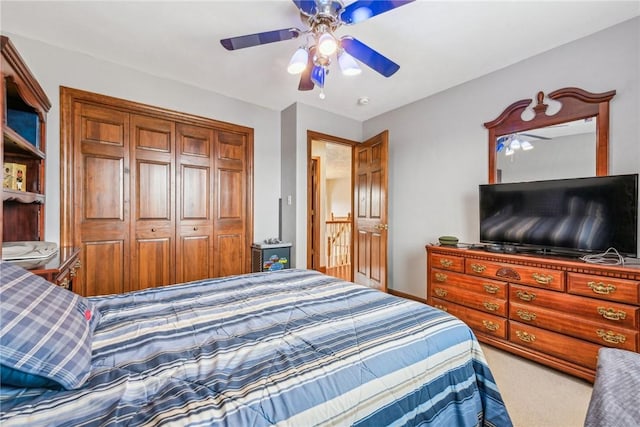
(288, 348)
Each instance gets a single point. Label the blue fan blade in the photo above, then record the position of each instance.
(317, 76)
(362, 10)
(370, 57)
(306, 6)
(249, 40)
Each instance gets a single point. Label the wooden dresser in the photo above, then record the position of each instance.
(555, 311)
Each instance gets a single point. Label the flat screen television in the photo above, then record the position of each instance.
(566, 216)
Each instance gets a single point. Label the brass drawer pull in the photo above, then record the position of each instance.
(601, 288)
(526, 296)
(440, 277)
(611, 337)
(65, 283)
(543, 279)
(525, 315)
(611, 313)
(446, 262)
(478, 268)
(440, 292)
(491, 289)
(490, 325)
(525, 336)
(490, 306)
(441, 307)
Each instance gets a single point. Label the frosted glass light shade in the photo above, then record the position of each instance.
(327, 44)
(515, 144)
(509, 151)
(526, 145)
(348, 65)
(298, 61)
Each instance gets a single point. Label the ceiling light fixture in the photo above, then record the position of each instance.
(327, 44)
(511, 143)
(298, 61)
(348, 65)
(324, 17)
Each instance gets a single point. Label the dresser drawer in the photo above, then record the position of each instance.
(534, 276)
(480, 322)
(567, 348)
(486, 303)
(447, 262)
(603, 287)
(605, 312)
(568, 324)
(480, 285)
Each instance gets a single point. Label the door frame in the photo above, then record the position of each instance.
(319, 136)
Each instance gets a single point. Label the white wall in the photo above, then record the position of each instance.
(438, 145)
(55, 67)
(338, 197)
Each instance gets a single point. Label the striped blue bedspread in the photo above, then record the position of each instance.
(287, 348)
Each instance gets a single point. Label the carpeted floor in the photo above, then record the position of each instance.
(537, 396)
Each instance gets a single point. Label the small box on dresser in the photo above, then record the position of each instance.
(555, 311)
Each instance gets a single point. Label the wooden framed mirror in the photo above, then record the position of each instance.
(575, 105)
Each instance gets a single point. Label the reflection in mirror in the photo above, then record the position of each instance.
(565, 150)
(569, 105)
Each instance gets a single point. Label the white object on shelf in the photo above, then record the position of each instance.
(28, 250)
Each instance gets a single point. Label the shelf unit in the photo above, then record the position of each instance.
(23, 143)
(24, 115)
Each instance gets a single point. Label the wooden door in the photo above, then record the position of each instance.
(152, 193)
(195, 148)
(101, 150)
(314, 216)
(370, 219)
(231, 187)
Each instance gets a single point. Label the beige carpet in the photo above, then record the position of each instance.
(537, 396)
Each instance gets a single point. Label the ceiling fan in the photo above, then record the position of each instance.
(324, 17)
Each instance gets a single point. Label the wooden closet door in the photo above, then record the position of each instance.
(152, 213)
(194, 258)
(101, 152)
(231, 190)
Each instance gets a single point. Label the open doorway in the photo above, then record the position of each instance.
(330, 205)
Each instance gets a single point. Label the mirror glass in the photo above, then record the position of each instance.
(565, 150)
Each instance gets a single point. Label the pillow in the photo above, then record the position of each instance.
(45, 332)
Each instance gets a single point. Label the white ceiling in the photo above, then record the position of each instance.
(438, 44)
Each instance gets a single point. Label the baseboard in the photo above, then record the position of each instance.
(406, 296)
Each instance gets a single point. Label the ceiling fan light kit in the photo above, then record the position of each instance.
(324, 17)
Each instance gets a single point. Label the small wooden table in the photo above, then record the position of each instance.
(59, 269)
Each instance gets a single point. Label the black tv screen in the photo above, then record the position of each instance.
(579, 215)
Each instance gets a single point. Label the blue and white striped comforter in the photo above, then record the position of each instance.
(293, 348)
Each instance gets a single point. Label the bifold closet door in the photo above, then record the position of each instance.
(232, 160)
(152, 197)
(101, 194)
(153, 221)
(194, 249)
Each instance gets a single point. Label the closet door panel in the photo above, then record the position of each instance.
(194, 189)
(154, 260)
(153, 190)
(153, 221)
(195, 261)
(194, 257)
(231, 188)
(101, 194)
(100, 280)
(229, 254)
